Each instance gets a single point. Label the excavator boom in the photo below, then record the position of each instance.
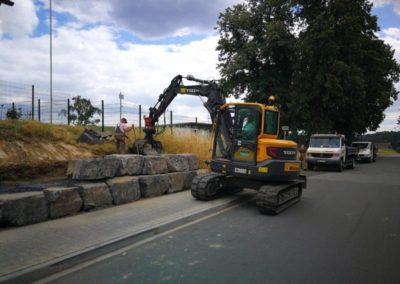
(208, 89)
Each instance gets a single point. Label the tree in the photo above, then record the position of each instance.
(257, 49)
(82, 112)
(321, 59)
(13, 113)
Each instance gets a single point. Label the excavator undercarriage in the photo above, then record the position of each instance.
(272, 197)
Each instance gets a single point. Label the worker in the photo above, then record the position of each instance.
(271, 101)
(120, 135)
(249, 130)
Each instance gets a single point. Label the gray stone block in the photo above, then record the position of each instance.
(130, 165)
(63, 201)
(24, 208)
(155, 185)
(192, 159)
(94, 195)
(176, 181)
(177, 163)
(189, 176)
(71, 167)
(124, 189)
(94, 169)
(153, 165)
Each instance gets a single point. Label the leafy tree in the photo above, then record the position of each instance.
(13, 113)
(82, 112)
(257, 50)
(321, 59)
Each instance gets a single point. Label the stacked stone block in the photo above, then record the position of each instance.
(101, 182)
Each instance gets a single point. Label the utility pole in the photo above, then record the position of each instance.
(51, 63)
(121, 97)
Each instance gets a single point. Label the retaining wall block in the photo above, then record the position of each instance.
(177, 163)
(154, 185)
(130, 165)
(94, 195)
(189, 178)
(24, 208)
(63, 201)
(124, 189)
(176, 181)
(153, 165)
(192, 159)
(94, 169)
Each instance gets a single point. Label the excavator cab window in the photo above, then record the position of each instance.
(223, 134)
(271, 122)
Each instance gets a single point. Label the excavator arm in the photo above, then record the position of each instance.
(206, 89)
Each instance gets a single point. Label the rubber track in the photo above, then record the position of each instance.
(205, 187)
(267, 199)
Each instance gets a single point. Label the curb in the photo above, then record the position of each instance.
(45, 269)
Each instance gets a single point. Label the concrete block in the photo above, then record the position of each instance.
(63, 201)
(153, 165)
(94, 195)
(130, 165)
(176, 181)
(177, 163)
(94, 169)
(24, 208)
(124, 189)
(189, 176)
(192, 159)
(155, 185)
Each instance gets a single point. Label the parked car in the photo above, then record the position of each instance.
(366, 151)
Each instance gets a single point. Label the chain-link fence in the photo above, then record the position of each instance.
(35, 104)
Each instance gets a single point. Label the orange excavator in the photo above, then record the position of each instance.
(246, 150)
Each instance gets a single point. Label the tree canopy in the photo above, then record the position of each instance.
(82, 112)
(321, 59)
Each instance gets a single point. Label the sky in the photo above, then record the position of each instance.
(104, 47)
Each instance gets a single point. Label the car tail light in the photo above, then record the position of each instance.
(272, 152)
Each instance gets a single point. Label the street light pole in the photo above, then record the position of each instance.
(51, 63)
(121, 97)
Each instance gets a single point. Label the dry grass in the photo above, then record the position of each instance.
(179, 141)
(26, 130)
(188, 141)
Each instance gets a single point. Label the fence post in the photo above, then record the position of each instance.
(140, 117)
(33, 102)
(170, 118)
(196, 122)
(38, 106)
(68, 112)
(102, 115)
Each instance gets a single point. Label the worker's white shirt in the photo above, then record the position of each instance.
(123, 126)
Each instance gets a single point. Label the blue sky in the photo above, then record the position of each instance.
(101, 48)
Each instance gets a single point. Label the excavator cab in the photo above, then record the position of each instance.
(246, 144)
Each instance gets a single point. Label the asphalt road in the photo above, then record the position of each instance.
(346, 229)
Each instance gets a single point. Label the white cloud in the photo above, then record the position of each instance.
(149, 19)
(90, 63)
(381, 3)
(19, 20)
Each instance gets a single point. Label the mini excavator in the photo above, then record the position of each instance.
(246, 150)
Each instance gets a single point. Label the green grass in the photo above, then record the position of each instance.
(387, 152)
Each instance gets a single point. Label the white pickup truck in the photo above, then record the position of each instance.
(366, 150)
(330, 150)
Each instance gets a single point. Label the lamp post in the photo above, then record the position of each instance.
(51, 63)
(121, 97)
